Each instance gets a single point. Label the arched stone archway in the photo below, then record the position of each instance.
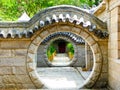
(29, 35)
(74, 59)
(67, 28)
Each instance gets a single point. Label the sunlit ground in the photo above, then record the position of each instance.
(61, 60)
(56, 83)
(61, 77)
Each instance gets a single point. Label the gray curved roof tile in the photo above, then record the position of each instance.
(73, 37)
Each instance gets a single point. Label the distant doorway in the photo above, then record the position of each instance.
(60, 52)
(61, 47)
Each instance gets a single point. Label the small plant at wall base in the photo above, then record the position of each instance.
(51, 52)
(70, 50)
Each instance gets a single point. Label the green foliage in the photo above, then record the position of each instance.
(12, 9)
(70, 48)
(51, 49)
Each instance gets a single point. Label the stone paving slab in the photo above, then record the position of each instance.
(61, 78)
(61, 60)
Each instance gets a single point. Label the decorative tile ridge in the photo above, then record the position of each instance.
(64, 9)
(71, 36)
(61, 18)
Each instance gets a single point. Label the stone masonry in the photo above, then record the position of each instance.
(19, 43)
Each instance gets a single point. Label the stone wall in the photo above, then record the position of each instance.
(88, 57)
(80, 56)
(112, 14)
(114, 48)
(13, 73)
(18, 50)
(80, 62)
(41, 62)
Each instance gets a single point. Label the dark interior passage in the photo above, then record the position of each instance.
(62, 47)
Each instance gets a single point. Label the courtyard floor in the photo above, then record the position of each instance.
(62, 78)
(61, 59)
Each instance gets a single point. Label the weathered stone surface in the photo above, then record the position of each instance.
(98, 58)
(91, 40)
(113, 53)
(41, 57)
(19, 70)
(30, 57)
(37, 40)
(14, 44)
(5, 53)
(95, 76)
(24, 79)
(44, 33)
(80, 56)
(84, 35)
(17, 56)
(33, 75)
(105, 68)
(101, 84)
(2, 85)
(28, 86)
(38, 84)
(10, 86)
(113, 79)
(53, 29)
(76, 30)
(19, 52)
(97, 67)
(32, 49)
(104, 77)
(113, 45)
(13, 61)
(95, 48)
(1, 81)
(89, 84)
(114, 4)
(19, 86)
(5, 70)
(64, 28)
(30, 67)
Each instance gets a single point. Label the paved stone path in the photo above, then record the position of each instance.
(61, 78)
(61, 60)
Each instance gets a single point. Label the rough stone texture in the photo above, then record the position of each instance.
(18, 56)
(84, 35)
(37, 41)
(97, 66)
(8, 79)
(114, 81)
(80, 56)
(12, 61)
(41, 58)
(44, 33)
(88, 57)
(19, 70)
(19, 52)
(5, 52)
(5, 70)
(77, 30)
(41, 62)
(12, 44)
(112, 13)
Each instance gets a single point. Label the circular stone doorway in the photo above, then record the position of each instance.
(96, 53)
(64, 52)
(63, 22)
